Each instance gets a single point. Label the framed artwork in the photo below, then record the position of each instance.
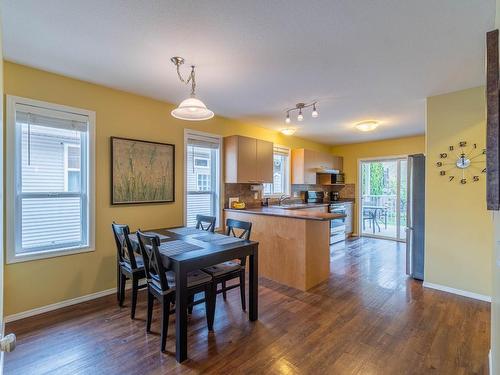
(142, 171)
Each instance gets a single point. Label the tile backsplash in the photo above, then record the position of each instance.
(254, 199)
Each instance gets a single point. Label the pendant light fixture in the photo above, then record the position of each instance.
(190, 109)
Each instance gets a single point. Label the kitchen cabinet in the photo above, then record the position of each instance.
(247, 160)
(305, 164)
(348, 219)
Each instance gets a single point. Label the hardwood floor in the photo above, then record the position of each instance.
(368, 318)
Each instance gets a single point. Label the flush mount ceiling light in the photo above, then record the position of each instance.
(288, 131)
(190, 109)
(299, 107)
(367, 126)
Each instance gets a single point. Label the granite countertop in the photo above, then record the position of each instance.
(294, 213)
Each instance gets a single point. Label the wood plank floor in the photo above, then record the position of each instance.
(368, 318)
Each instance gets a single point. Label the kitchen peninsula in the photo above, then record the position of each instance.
(293, 252)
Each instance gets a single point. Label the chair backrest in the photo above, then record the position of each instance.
(205, 223)
(245, 226)
(123, 245)
(155, 271)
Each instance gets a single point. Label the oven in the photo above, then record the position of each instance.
(337, 226)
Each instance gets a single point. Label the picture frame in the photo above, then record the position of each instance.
(142, 172)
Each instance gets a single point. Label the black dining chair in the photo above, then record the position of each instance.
(161, 285)
(227, 271)
(206, 223)
(130, 266)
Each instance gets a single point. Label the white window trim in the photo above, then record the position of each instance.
(11, 216)
(187, 133)
(288, 176)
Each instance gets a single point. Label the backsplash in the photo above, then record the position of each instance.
(244, 193)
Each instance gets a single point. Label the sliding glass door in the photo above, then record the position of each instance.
(383, 198)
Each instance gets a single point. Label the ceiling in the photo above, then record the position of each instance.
(360, 59)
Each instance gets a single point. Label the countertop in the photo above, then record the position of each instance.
(295, 213)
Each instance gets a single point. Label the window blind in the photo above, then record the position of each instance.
(202, 181)
(51, 213)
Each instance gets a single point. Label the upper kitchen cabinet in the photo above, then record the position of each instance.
(306, 163)
(248, 160)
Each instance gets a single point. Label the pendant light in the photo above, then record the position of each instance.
(190, 109)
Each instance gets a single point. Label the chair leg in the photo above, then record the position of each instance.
(123, 281)
(165, 312)
(210, 299)
(190, 304)
(242, 290)
(224, 294)
(135, 287)
(118, 274)
(151, 300)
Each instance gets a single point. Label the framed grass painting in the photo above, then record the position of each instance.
(142, 171)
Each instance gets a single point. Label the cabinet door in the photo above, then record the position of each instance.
(338, 163)
(311, 163)
(348, 219)
(265, 162)
(247, 160)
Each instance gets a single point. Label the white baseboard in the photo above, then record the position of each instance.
(463, 293)
(59, 305)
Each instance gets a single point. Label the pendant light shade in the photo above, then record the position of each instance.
(192, 109)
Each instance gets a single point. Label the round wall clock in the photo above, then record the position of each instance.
(462, 163)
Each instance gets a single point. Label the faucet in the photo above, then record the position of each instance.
(283, 198)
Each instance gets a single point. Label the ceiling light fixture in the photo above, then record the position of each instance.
(299, 107)
(367, 126)
(190, 109)
(288, 131)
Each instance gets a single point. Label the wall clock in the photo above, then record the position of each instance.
(462, 163)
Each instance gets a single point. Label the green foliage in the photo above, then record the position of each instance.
(376, 178)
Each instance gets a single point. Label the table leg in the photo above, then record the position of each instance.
(253, 287)
(181, 301)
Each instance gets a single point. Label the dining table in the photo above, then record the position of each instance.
(185, 249)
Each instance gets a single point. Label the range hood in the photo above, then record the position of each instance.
(327, 171)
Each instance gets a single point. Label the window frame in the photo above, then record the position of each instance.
(68, 169)
(189, 133)
(12, 217)
(198, 175)
(288, 176)
(201, 166)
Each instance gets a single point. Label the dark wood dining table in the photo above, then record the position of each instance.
(186, 249)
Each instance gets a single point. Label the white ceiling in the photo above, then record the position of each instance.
(371, 59)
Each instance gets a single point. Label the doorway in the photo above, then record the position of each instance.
(383, 198)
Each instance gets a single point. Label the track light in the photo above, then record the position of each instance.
(299, 107)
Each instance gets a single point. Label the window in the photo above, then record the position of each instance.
(72, 177)
(201, 162)
(50, 153)
(203, 180)
(202, 175)
(281, 173)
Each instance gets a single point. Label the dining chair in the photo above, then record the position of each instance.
(161, 285)
(206, 223)
(130, 266)
(227, 271)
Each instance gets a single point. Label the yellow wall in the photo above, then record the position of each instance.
(391, 147)
(38, 283)
(458, 227)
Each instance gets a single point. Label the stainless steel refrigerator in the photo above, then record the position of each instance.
(415, 217)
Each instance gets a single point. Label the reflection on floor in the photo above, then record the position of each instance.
(368, 318)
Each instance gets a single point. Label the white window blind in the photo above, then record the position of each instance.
(50, 180)
(281, 173)
(202, 178)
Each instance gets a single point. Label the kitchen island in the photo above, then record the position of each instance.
(294, 242)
